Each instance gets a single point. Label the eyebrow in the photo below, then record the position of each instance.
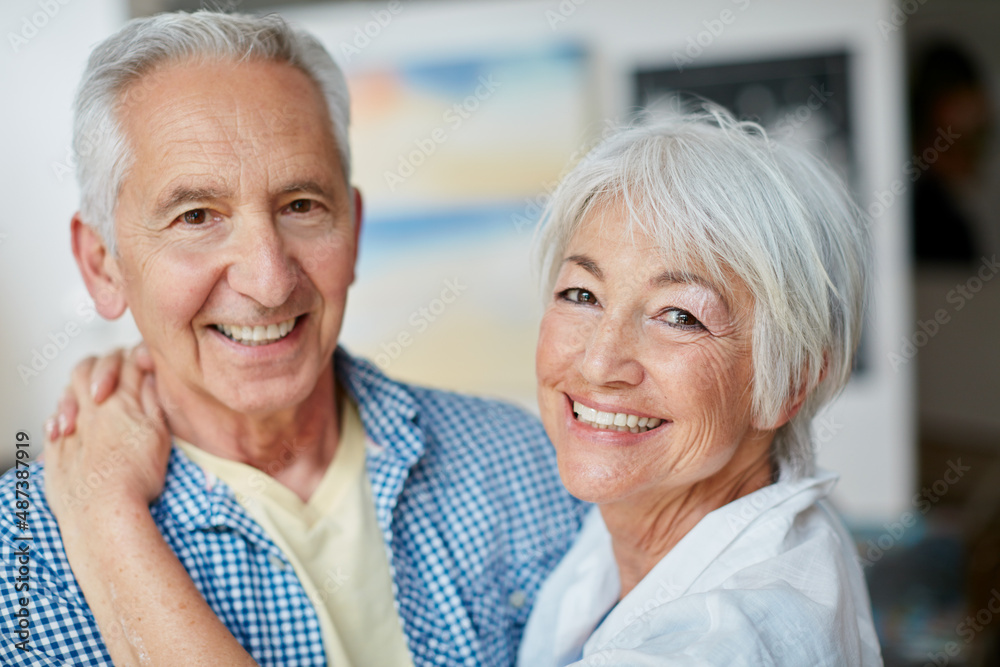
(686, 278)
(587, 264)
(309, 187)
(662, 280)
(183, 194)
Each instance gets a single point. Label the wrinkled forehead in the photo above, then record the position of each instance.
(227, 125)
(266, 96)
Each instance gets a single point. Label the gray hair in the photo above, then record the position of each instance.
(719, 194)
(117, 65)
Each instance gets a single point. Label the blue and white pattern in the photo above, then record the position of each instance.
(467, 496)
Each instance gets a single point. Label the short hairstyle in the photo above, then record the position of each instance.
(718, 194)
(117, 64)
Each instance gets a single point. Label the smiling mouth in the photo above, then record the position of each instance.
(614, 421)
(256, 335)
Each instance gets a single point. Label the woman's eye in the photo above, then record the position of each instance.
(301, 206)
(681, 318)
(195, 217)
(577, 295)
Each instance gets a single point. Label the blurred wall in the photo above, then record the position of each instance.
(959, 365)
(48, 321)
(868, 436)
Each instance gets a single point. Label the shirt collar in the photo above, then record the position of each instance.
(390, 415)
(194, 500)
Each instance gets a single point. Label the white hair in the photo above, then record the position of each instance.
(720, 195)
(117, 65)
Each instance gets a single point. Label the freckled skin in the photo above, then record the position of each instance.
(622, 351)
(245, 133)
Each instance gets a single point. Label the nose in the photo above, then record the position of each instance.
(262, 268)
(609, 357)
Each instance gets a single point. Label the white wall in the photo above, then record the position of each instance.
(41, 292)
(869, 434)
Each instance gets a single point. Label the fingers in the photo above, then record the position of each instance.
(150, 401)
(143, 358)
(130, 381)
(79, 384)
(65, 417)
(104, 375)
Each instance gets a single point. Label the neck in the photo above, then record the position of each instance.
(294, 445)
(644, 529)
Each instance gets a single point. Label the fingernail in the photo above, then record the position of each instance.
(93, 389)
(50, 429)
(62, 423)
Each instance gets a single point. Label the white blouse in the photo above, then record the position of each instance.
(769, 579)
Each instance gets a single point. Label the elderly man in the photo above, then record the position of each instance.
(327, 514)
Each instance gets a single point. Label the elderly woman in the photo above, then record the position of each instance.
(706, 292)
(706, 289)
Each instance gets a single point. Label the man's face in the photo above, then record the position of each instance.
(235, 233)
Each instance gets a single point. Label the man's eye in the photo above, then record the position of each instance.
(681, 318)
(195, 217)
(301, 206)
(577, 295)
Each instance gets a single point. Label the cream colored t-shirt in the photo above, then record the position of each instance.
(333, 543)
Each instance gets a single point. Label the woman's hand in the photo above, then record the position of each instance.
(105, 464)
(103, 379)
(115, 452)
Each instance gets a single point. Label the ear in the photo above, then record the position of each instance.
(358, 209)
(99, 268)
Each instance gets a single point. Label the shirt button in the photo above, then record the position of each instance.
(277, 563)
(517, 599)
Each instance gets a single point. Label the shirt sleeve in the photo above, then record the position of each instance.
(44, 619)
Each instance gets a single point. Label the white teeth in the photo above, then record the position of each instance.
(259, 334)
(616, 421)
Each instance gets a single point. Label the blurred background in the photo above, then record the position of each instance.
(466, 114)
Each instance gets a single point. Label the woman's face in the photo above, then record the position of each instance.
(629, 337)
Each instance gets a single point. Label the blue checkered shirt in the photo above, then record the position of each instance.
(467, 497)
